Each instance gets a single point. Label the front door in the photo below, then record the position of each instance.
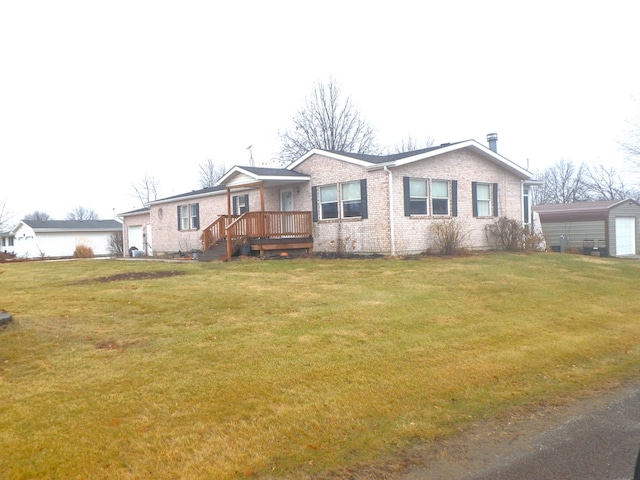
(286, 200)
(286, 205)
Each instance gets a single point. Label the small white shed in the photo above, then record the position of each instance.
(610, 228)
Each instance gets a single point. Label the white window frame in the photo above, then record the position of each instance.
(189, 216)
(345, 200)
(447, 198)
(484, 201)
(328, 201)
(184, 217)
(420, 198)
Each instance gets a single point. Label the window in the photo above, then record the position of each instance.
(440, 197)
(240, 204)
(340, 200)
(351, 205)
(430, 197)
(485, 199)
(419, 198)
(329, 202)
(189, 217)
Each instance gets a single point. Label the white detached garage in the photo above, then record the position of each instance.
(608, 227)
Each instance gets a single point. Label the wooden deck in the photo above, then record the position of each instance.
(262, 231)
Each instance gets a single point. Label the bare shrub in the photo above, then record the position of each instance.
(534, 241)
(115, 244)
(506, 234)
(447, 237)
(83, 251)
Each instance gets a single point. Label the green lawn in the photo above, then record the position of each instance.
(293, 368)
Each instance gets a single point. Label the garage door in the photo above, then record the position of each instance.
(135, 237)
(625, 236)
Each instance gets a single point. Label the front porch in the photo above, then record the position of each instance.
(257, 231)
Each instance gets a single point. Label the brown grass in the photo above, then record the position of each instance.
(297, 368)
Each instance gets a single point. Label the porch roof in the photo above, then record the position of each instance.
(241, 175)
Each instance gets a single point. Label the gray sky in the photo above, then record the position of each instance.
(93, 95)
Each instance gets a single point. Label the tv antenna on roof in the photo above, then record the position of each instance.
(251, 163)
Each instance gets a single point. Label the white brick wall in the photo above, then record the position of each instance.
(371, 235)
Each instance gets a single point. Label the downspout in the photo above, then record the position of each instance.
(522, 213)
(391, 222)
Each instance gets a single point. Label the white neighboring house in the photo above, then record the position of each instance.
(59, 238)
(6, 242)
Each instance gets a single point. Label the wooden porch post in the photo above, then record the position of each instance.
(262, 223)
(226, 224)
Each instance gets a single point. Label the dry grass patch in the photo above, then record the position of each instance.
(292, 369)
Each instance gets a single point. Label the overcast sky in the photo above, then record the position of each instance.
(93, 95)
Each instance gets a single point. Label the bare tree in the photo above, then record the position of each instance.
(410, 144)
(115, 244)
(564, 182)
(329, 122)
(631, 144)
(210, 172)
(37, 215)
(5, 216)
(81, 213)
(605, 183)
(146, 190)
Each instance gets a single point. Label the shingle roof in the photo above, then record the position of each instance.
(391, 157)
(276, 172)
(202, 191)
(73, 224)
(135, 212)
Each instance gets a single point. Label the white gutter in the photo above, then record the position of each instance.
(391, 223)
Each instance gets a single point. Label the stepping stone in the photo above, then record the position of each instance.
(5, 318)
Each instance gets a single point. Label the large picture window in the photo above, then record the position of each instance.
(340, 200)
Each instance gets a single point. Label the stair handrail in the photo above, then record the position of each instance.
(215, 232)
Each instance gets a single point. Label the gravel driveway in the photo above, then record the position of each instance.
(593, 439)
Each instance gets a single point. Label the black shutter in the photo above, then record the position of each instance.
(474, 198)
(407, 196)
(179, 222)
(235, 205)
(363, 199)
(196, 224)
(454, 198)
(495, 199)
(246, 202)
(314, 203)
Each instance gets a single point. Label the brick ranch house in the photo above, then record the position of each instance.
(341, 202)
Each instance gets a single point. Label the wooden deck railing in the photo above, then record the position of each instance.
(258, 225)
(267, 225)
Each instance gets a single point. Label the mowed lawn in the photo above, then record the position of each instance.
(293, 368)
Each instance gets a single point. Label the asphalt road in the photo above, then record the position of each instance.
(593, 439)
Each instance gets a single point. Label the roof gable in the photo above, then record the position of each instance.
(241, 175)
(404, 158)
